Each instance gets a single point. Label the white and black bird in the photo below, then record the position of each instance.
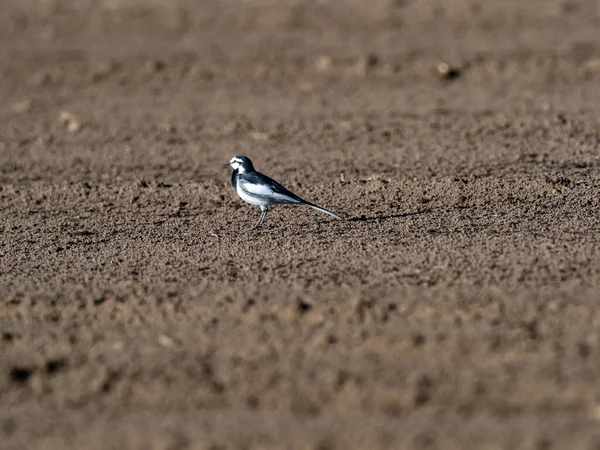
(260, 190)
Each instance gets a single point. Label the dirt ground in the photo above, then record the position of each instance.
(456, 308)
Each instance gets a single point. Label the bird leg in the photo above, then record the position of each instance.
(265, 210)
(261, 218)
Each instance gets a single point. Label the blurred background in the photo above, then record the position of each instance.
(200, 68)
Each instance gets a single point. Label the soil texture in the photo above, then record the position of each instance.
(455, 307)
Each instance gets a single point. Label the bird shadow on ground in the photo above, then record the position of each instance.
(383, 217)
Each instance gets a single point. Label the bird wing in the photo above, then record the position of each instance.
(259, 184)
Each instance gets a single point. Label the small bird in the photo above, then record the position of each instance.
(258, 189)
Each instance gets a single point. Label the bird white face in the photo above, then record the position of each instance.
(235, 163)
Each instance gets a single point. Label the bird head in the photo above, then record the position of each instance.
(241, 163)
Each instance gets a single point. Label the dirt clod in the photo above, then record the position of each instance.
(69, 121)
(446, 72)
(20, 374)
(365, 64)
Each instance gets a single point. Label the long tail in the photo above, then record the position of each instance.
(323, 210)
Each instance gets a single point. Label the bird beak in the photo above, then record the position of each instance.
(227, 163)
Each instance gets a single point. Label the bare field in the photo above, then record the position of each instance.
(457, 307)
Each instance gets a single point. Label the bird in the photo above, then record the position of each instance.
(257, 189)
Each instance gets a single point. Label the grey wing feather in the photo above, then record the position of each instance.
(259, 184)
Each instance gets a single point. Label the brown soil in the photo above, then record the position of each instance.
(456, 308)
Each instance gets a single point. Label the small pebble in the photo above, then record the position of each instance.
(593, 65)
(259, 136)
(595, 412)
(70, 121)
(118, 346)
(73, 127)
(218, 198)
(323, 63)
(446, 71)
(165, 341)
(231, 127)
(365, 64)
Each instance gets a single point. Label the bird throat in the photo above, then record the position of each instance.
(234, 175)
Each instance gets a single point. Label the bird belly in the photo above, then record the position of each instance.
(257, 200)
